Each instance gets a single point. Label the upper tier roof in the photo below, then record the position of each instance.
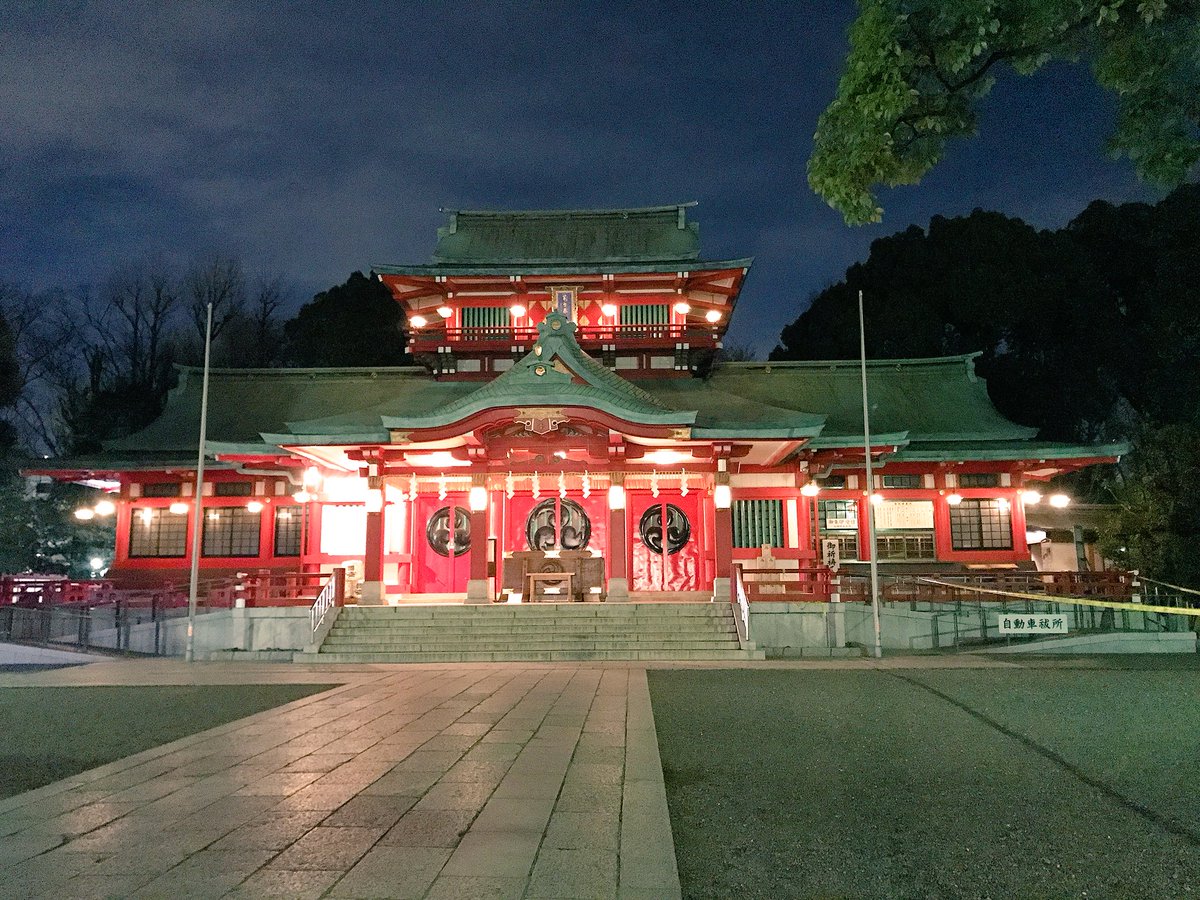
(648, 235)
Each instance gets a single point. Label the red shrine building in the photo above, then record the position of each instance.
(568, 413)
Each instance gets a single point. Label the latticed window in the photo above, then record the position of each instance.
(287, 531)
(485, 320)
(157, 532)
(902, 481)
(645, 314)
(757, 522)
(231, 531)
(838, 520)
(981, 525)
(905, 546)
(979, 480)
(162, 489)
(233, 488)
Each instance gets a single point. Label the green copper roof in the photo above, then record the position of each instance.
(650, 234)
(555, 373)
(937, 399)
(931, 409)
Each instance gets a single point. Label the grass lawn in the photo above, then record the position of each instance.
(48, 733)
(1031, 782)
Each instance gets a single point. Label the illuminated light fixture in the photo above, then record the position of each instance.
(178, 508)
(97, 563)
(1003, 504)
(105, 508)
(877, 499)
(418, 322)
(811, 489)
(561, 454)
(1059, 501)
(85, 514)
(713, 315)
(722, 496)
(616, 496)
(517, 310)
(610, 310)
(667, 457)
(373, 501)
(302, 496)
(954, 499)
(682, 308)
(477, 498)
(312, 479)
(147, 516)
(1029, 498)
(445, 312)
(254, 506)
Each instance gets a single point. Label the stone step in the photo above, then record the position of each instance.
(527, 656)
(516, 646)
(553, 627)
(523, 611)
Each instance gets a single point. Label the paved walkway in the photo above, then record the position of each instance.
(417, 781)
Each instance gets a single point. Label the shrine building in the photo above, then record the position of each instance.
(568, 411)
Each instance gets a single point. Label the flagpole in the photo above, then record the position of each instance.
(198, 500)
(874, 548)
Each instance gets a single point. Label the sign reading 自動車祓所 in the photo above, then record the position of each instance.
(1035, 623)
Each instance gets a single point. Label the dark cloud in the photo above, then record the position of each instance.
(316, 138)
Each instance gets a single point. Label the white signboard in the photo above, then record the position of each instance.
(1035, 623)
(842, 523)
(899, 514)
(831, 553)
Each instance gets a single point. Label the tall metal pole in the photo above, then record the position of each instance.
(198, 501)
(874, 549)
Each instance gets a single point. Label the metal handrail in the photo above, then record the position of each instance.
(741, 604)
(332, 594)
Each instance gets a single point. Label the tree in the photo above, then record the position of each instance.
(1045, 320)
(917, 70)
(1156, 524)
(353, 324)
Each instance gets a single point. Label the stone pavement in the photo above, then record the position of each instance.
(465, 781)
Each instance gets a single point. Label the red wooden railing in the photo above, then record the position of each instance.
(786, 583)
(586, 334)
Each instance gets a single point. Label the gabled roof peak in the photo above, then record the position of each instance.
(648, 234)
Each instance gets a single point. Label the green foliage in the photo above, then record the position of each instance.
(1156, 525)
(1083, 331)
(353, 324)
(39, 532)
(918, 68)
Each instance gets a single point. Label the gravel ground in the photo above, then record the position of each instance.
(1042, 781)
(48, 733)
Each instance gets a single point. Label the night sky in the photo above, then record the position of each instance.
(312, 139)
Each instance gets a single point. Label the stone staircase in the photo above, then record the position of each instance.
(532, 632)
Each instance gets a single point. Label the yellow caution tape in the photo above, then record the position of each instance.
(1174, 587)
(1081, 601)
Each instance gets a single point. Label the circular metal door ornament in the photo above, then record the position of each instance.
(437, 532)
(541, 533)
(678, 530)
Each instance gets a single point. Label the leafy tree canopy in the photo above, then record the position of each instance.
(353, 324)
(1084, 331)
(918, 68)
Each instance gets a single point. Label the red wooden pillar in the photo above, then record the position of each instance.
(722, 539)
(372, 588)
(618, 568)
(478, 501)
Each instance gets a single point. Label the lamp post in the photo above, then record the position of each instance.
(862, 346)
(198, 504)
